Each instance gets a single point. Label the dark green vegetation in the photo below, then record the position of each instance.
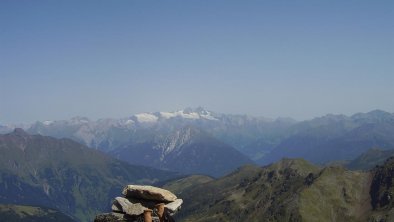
(290, 190)
(382, 191)
(188, 150)
(20, 213)
(62, 174)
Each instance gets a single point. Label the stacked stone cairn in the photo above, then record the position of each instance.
(143, 204)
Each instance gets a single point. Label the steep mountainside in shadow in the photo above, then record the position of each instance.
(65, 175)
(187, 150)
(382, 191)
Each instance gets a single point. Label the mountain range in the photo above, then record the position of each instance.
(188, 150)
(78, 182)
(240, 131)
(187, 141)
(320, 140)
(335, 137)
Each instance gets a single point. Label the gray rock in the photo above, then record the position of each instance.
(146, 203)
(148, 193)
(110, 217)
(116, 207)
(122, 204)
(174, 206)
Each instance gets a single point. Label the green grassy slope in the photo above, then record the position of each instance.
(370, 159)
(20, 213)
(336, 195)
(177, 186)
(249, 194)
(291, 190)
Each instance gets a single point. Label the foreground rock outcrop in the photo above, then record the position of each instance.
(143, 203)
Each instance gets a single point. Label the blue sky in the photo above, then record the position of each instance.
(98, 59)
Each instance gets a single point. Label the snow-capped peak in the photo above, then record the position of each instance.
(189, 113)
(79, 120)
(129, 122)
(146, 117)
(47, 122)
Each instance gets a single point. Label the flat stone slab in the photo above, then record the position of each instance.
(122, 204)
(146, 203)
(148, 193)
(174, 206)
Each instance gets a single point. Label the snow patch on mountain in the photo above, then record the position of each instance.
(146, 117)
(129, 122)
(208, 116)
(79, 120)
(47, 122)
(175, 141)
(168, 115)
(191, 115)
(187, 115)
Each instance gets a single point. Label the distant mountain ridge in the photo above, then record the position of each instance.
(238, 131)
(187, 150)
(320, 140)
(335, 137)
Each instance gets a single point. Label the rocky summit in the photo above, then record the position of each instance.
(142, 203)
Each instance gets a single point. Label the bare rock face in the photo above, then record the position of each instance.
(121, 204)
(116, 217)
(174, 206)
(146, 203)
(116, 207)
(110, 217)
(148, 193)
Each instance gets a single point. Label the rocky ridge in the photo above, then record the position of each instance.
(290, 190)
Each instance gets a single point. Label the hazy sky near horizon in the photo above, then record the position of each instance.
(98, 59)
